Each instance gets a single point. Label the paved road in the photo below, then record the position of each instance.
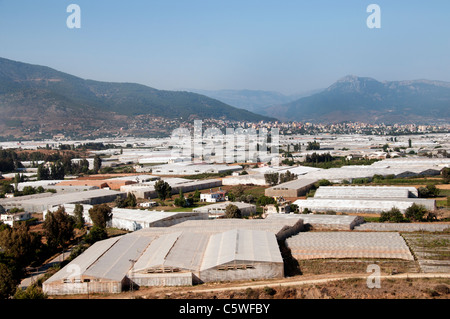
(39, 272)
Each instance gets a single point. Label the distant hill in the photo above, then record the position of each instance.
(255, 101)
(37, 95)
(365, 99)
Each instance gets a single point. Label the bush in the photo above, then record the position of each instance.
(415, 212)
(360, 180)
(428, 191)
(323, 182)
(95, 234)
(232, 211)
(32, 292)
(269, 291)
(393, 216)
(265, 200)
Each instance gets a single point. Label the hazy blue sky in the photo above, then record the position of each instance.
(288, 46)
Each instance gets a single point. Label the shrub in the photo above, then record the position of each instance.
(323, 182)
(394, 215)
(415, 212)
(269, 291)
(232, 211)
(95, 234)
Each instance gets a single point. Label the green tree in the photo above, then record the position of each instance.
(196, 196)
(313, 146)
(415, 212)
(57, 171)
(95, 234)
(428, 191)
(394, 215)
(264, 200)
(58, 228)
(43, 173)
(180, 201)
(232, 211)
(163, 189)
(129, 201)
(8, 282)
(32, 292)
(100, 215)
(97, 164)
(446, 175)
(79, 218)
(272, 178)
(287, 177)
(323, 182)
(20, 244)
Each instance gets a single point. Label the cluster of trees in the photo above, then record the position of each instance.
(414, 213)
(182, 201)
(88, 146)
(22, 248)
(129, 201)
(319, 158)
(274, 178)
(66, 166)
(313, 146)
(9, 161)
(428, 191)
(62, 163)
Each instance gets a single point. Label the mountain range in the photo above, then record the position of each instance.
(365, 99)
(40, 99)
(33, 96)
(252, 100)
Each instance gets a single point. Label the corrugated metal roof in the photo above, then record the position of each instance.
(241, 245)
(156, 252)
(78, 266)
(187, 253)
(116, 262)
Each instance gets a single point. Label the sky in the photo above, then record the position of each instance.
(288, 46)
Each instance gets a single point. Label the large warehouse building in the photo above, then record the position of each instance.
(363, 199)
(149, 258)
(40, 203)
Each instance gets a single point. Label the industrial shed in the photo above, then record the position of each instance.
(322, 221)
(363, 199)
(135, 219)
(326, 245)
(293, 188)
(241, 255)
(193, 169)
(147, 190)
(355, 192)
(41, 202)
(375, 206)
(175, 257)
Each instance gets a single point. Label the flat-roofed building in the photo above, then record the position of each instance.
(295, 188)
